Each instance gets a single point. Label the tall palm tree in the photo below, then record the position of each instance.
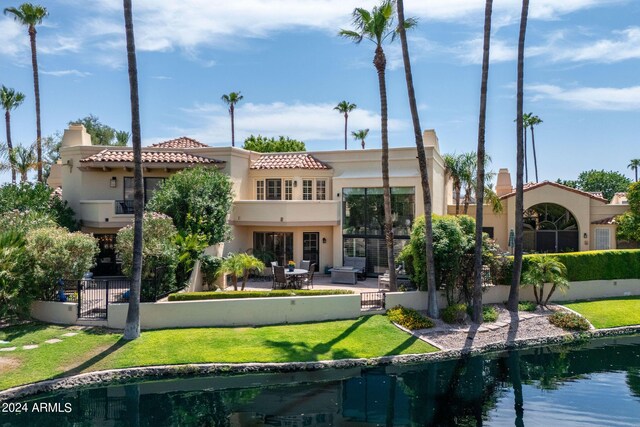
(469, 177)
(122, 138)
(31, 15)
(10, 100)
(533, 121)
(481, 160)
(231, 100)
(132, 327)
(345, 108)
(360, 136)
(453, 167)
(377, 26)
(432, 302)
(634, 164)
(19, 159)
(514, 291)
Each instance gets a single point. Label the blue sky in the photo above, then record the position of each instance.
(285, 57)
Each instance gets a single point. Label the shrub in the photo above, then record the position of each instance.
(569, 321)
(37, 198)
(542, 270)
(189, 246)
(209, 267)
(23, 221)
(159, 255)
(527, 306)
(455, 313)
(489, 313)
(409, 318)
(195, 296)
(58, 254)
(16, 290)
(240, 265)
(198, 200)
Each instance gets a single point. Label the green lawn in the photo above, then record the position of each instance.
(609, 313)
(92, 350)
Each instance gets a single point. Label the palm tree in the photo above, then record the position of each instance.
(132, 327)
(240, 265)
(345, 108)
(634, 164)
(545, 269)
(481, 160)
(19, 159)
(432, 303)
(31, 15)
(514, 291)
(534, 121)
(453, 168)
(377, 26)
(360, 136)
(231, 100)
(10, 100)
(122, 138)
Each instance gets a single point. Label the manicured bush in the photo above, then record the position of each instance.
(16, 290)
(28, 197)
(489, 313)
(569, 321)
(409, 318)
(209, 267)
(527, 306)
(194, 296)
(455, 313)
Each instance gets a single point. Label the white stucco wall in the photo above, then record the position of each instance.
(63, 313)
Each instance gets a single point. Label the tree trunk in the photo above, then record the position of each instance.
(553, 289)
(234, 280)
(380, 63)
(467, 200)
(132, 327)
(477, 258)
(233, 130)
(535, 294)
(516, 382)
(535, 158)
(363, 149)
(245, 276)
(458, 188)
(541, 294)
(432, 304)
(7, 118)
(346, 118)
(36, 90)
(514, 292)
(526, 161)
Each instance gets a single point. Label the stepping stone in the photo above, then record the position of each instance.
(53, 341)
(29, 347)
(492, 327)
(501, 324)
(70, 334)
(3, 342)
(8, 349)
(483, 329)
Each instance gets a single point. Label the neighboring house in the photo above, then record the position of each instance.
(321, 205)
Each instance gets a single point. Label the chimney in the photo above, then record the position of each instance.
(503, 185)
(76, 135)
(430, 139)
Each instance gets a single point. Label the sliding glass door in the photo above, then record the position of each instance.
(273, 246)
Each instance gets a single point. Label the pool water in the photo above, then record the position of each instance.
(595, 383)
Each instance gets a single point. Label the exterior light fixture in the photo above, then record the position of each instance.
(584, 235)
(113, 182)
(295, 183)
(324, 240)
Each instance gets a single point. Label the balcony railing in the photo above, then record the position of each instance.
(124, 207)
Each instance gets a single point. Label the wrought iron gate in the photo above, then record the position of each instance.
(372, 300)
(94, 296)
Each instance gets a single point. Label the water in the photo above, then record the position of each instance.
(590, 384)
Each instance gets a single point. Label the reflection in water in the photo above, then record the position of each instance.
(595, 383)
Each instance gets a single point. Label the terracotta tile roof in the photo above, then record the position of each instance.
(288, 161)
(182, 142)
(110, 155)
(605, 221)
(598, 194)
(532, 186)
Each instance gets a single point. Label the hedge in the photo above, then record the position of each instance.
(194, 296)
(590, 265)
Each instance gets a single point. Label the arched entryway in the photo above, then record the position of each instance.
(549, 227)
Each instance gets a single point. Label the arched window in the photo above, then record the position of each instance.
(549, 227)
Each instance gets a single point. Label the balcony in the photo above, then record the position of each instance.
(106, 213)
(285, 212)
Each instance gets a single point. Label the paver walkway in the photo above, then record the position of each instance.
(34, 346)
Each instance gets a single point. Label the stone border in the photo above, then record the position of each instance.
(177, 371)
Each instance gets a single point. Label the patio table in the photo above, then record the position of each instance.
(294, 275)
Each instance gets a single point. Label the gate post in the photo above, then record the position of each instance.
(106, 304)
(79, 301)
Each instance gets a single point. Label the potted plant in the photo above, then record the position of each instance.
(291, 265)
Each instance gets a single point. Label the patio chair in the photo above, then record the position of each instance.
(304, 264)
(308, 280)
(279, 278)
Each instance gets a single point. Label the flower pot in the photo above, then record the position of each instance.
(291, 268)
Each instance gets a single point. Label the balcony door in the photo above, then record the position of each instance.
(311, 248)
(273, 246)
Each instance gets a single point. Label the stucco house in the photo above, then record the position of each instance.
(317, 205)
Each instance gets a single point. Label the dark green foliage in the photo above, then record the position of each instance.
(607, 182)
(198, 200)
(37, 198)
(195, 296)
(283, 144)
(629, 222)
(16, 290)
(529, 306)
(209, 267)
(569, 321)
(190, 246)
(455, 313)
(589, 265)
(489, 313)
(409, 318)
(101, 134)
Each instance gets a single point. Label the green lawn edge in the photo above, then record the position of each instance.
(610, 312)
(98, 349)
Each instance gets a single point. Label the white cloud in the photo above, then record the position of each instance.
(623, 45)
(470, 51)
(64, 73)
(590, 98)
(303, 121)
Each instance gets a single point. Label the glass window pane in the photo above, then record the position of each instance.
(260, 190)
(321, 189)
(307, 189)
(288, 189)
(150, 186)
(128, 188)
(274, 189)
(354, 212)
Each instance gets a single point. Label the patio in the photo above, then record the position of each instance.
(322, 281)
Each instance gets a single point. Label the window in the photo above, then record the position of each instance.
(274, 189)
(321, 189)
(307, 189)
(273, 246)
(150, 186)
(260, 190)
(602, 239)
(128, 188)
(489, 231)
(288, 189)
